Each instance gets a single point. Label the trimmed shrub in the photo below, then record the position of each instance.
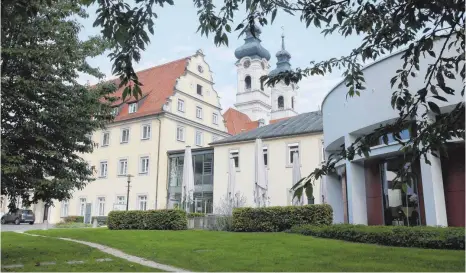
(272, 219)
(171, 219)
(195, 214)
(422, 237)
(101, 220)
(73, 219)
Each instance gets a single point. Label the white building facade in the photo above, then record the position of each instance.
(363, 191)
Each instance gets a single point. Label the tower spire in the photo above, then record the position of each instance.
(283, 38)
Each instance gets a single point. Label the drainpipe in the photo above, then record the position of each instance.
(158, 165)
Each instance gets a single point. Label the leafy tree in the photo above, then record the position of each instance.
(47, 116)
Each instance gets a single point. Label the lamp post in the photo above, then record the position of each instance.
(127, 192)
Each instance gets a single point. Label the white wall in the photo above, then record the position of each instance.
(342, 116)
(279, 172)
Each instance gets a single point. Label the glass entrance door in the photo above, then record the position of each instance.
(400, 196)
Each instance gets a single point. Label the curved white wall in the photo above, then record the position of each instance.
(343, 116)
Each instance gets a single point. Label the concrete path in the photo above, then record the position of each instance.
(119, 254)
(24, 227)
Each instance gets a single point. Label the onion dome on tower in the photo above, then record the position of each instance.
(252, 47)
(283, 60)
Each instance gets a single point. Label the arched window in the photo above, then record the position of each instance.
(292, 102)
(281, 103)
(247, 82)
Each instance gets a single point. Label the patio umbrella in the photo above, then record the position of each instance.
(231, 182)
(296, 177)
(187, 186)
(260, 181)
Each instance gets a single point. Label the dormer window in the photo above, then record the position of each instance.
(247, 82)
(132, 107)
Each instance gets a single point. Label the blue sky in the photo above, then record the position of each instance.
(175, 37)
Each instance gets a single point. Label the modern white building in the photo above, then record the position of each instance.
(362, 191)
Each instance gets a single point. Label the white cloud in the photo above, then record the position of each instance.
(312, 91)
(183, 49)
(227, 95)
(223, 54)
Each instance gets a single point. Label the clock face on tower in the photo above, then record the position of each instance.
(247, 64)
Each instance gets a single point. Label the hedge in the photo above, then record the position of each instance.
(101, 220)
(73, 219)
(403, 236)
(150, 219)
(272, 219)
(195, 214)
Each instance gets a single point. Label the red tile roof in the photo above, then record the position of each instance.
(237, 122)
(158, 85)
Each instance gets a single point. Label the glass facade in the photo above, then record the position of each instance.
(400, 198)
(203, 180)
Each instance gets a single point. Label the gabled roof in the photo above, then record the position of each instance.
(237, 122)
(158, 85)
(301, 124)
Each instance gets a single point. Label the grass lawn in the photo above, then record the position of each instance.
(227, 251)
(28, 250)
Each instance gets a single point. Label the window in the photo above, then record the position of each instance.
(144, 165)
(292, 149)
(198, 138)
(101, 206)
(181, 105)
(180, 133)
(266, 156)
(199, 89)
(122, 167)
(404, 134)
(247, 82)
(207, 167)
(103, 169)
(106, 139)
(125, 135)
(121, 200)
(142, 202)
(322, 151)
(198, 112)
(82, 206)
(235, 155)
(262, 85)
(146, 132)
(132, 107)
(292, 102)
(281, 102)
(65, 205)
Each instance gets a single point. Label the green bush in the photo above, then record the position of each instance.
(422, 237)
(195, 214)
(149, 219)
(73, 219)
(101, 220)
(272, 219)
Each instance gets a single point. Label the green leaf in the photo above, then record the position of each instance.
(274, 13)
(434, 107)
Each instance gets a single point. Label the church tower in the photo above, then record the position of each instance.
(283, 96)
(253, 97)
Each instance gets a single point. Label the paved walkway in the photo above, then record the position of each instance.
(24, 227)
(120, 254)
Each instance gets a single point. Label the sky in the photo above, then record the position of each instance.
(175, 37)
